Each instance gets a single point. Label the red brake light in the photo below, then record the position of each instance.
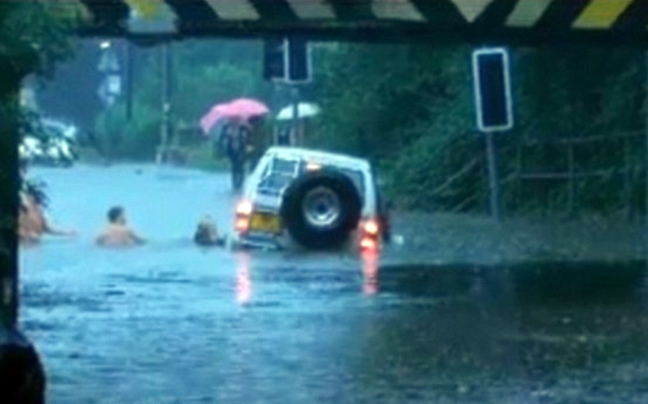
(368, 244)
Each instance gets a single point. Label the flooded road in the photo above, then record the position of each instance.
(172, 323)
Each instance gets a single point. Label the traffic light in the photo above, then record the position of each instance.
(287, 59)
(492, 90)
(274, 59)
(298, 61)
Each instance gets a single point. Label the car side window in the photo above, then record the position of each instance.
(278, 174)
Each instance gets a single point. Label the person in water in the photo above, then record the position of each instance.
(117, 233)
(206, 234)
(32, 222)
(36, 221)
(26, 232)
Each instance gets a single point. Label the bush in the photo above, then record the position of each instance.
(136, 138)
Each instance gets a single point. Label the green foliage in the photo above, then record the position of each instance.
(203, 74)
(200, 87)
(410, 108)
(34, 35)
(136, 138)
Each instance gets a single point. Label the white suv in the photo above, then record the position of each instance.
(313, 199)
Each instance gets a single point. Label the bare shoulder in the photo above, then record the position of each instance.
(135, 237)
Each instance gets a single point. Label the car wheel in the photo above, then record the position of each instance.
(320, 209)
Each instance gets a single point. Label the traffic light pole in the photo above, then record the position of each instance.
(128, 56)
(297, 140)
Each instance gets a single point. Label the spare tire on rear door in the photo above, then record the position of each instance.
(321, 208)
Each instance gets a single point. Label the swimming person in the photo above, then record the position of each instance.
(32, 222)
(117, 233)
(26, 232)
(206, 234)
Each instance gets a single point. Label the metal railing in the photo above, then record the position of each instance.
(572, 174)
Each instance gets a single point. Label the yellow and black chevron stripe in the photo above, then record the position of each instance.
(502, 20)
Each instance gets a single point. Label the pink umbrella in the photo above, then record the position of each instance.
(248, 108)
(214, 115)
(242, 108)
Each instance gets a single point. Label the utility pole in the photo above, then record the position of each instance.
(297, 140)
(165, 127)
(128, 73)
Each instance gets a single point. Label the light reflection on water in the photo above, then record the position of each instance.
(243, 278)
(370, 263)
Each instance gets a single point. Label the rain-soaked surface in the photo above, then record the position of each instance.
(172, 323)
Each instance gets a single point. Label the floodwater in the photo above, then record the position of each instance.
(173, 323)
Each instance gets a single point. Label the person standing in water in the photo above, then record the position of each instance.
(32, 222)
(117, 233)
(234, 140)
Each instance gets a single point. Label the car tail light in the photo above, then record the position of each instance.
(368, 244)
(243, 212)
(244, 208)
(371, 228)
(242, 224)
(369, 235)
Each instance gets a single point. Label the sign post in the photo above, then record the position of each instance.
(289, 60)
(492, 87)
(297, 60)
(109, 66)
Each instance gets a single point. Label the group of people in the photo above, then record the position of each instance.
(33, 223)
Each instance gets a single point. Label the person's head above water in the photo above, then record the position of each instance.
(116, 215)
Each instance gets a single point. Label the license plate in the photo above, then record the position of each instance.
(265, 222)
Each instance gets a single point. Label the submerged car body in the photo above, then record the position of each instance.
(305, 198)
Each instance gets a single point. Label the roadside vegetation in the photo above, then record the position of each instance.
(579, 114)
(409, 108)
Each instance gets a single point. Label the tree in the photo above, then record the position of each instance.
(203, 74)
(32, 39)
(410, 108)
